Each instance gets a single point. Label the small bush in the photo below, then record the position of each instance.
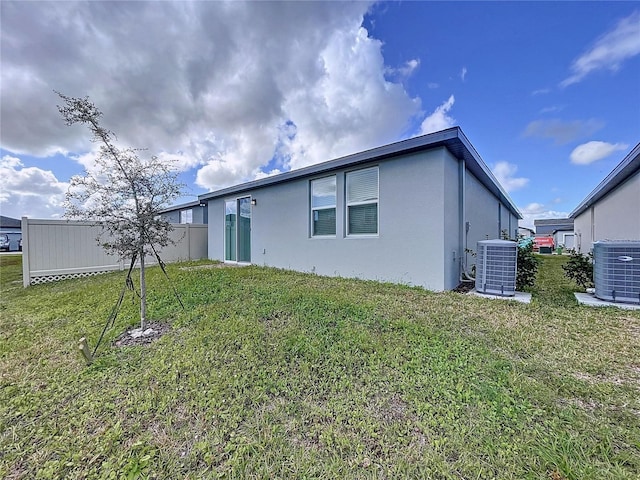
(579, 268)
(527, 266)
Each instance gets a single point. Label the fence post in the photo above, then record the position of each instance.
(26, 277)
(188, 236)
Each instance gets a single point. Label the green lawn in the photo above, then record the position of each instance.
(276, 374)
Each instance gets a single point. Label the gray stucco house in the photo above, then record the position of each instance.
(192, 212)
(403, 213)
(612, 210)
(561, 229)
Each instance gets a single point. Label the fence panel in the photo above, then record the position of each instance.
(58, 249)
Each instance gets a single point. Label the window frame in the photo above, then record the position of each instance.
(333, 207)
(348, 204)
(186, 215)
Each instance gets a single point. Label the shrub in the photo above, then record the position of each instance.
(579, 268)
(527, 266)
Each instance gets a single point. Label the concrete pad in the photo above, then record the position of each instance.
(592, 301)
(521, 297)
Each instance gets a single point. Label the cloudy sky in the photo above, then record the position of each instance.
(548, 93)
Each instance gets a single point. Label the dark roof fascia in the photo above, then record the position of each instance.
(8, 222)
(561, 229)
(625, 169)
(181, 206)
(452, 138)
(550, 222)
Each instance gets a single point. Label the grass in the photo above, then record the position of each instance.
(277, 374)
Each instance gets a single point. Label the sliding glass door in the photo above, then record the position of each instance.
(237, 230)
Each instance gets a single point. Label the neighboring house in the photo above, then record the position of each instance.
(526, 232)
(10, 224)
(545, 227)
(192, 212)
(612, 210)
(560, 229)
(11, 231)
(405, 213)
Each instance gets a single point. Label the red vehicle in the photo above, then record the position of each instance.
(543, 244)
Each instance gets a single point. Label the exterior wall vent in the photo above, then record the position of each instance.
(616, 271)
(496, 267)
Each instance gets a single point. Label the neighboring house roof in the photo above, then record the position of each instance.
(181, 206)
(527, 229)
(8, 222)
(561, 222)
(452, 138)
(545, 226)
(629, 166)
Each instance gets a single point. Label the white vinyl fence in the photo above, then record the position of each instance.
(55, 250)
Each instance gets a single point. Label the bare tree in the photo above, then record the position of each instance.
(124, 194)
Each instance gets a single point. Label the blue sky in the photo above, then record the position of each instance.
(547, 92)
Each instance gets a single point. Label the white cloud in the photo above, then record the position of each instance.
(534, 211)
(439, 119)
(552, 109)
(433, 85)
(541, 91)
(560, 131)
(590, 152)
(609, 51)
(10, 162)
(196, 85)
(406, 70)
(260, 174)
(463, 74)
(505, 174)
(29, 191)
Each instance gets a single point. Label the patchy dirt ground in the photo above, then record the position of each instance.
(465, 287)
(126, 339)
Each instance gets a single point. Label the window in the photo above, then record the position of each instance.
(186, 216)
(362, 202)
(323, 206)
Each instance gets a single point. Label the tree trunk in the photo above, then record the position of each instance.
(143, 294)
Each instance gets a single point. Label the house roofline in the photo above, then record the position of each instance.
(625, 169)
(452, 138)
(180, 206)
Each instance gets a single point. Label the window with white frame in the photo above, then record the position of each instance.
(362, 202)
(186, 216)
(323, 206)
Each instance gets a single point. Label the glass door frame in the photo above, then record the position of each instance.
(239, 235)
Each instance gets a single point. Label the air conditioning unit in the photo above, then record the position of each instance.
(616, 271)
(496, 267)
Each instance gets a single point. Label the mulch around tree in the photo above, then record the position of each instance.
(155, 329)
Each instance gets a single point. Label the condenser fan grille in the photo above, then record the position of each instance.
(496, 267)
(616, 271)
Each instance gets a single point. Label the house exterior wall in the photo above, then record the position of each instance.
(566, 239)
(486, 215)
(525, 232)
(408, 248)
(482, 209)
(172, 217)
(419, 237)
(613, 217)
(451, 245)
(199, 214)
